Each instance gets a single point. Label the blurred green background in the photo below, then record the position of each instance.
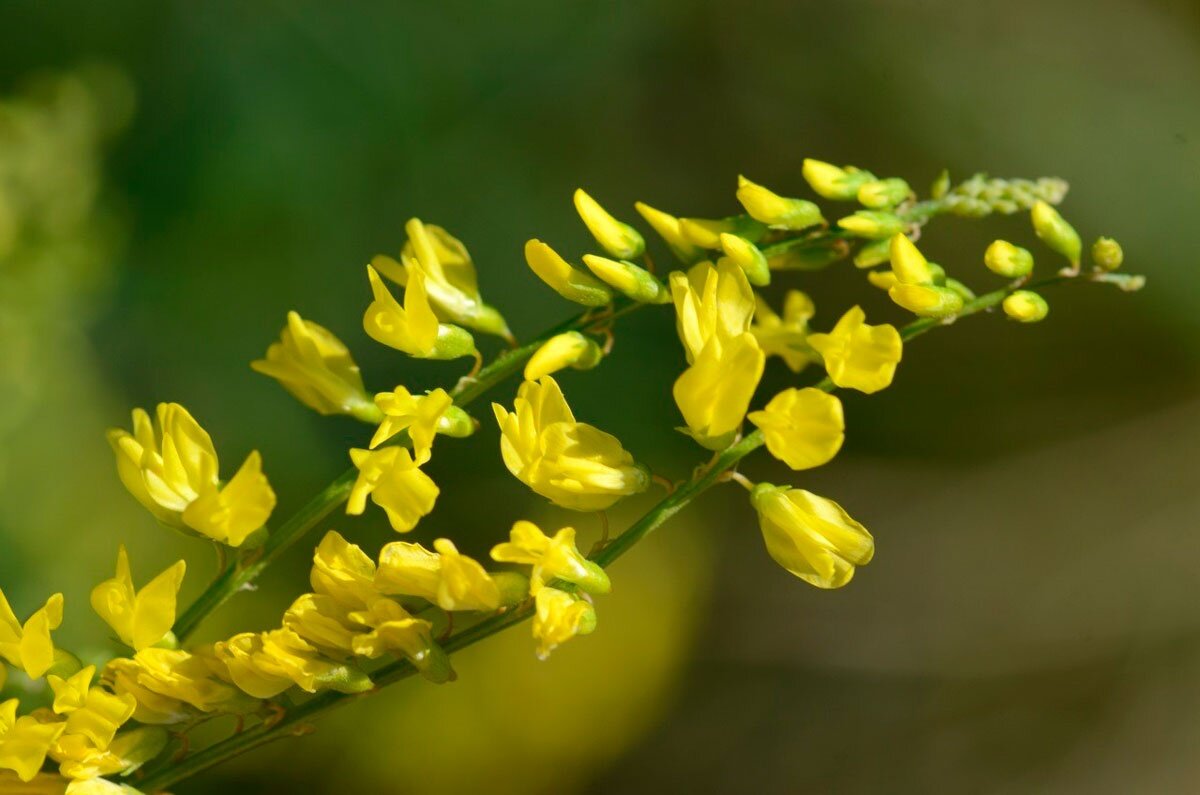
(175, 176)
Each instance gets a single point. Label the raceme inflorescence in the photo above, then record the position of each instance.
(113, 725)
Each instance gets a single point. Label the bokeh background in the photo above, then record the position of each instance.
(175, 176)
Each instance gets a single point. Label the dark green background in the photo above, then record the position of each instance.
(1029, 623)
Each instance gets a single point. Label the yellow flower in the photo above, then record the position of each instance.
(29, 647)
(635, 283)
(413, 328)
(668, 228)
(569, 349)
(446, 577)
(24, 741)
(803, 428)
(231, 514)
(774, 210)
(880, 193)
(551, 558)
(745, 255)
(394, 631)
(568, 281)
(171, 468)
(343, 572)
(570, 463)
(711, 302)
(620, 240)
(394, 482)
(317, 368)
(810, 536)
(83, 761)
(162, 681)
(857, 355)
(140, 618)
(715, 392)
(831, 182)
(450, 279)
(883, 279)
(264, 664)
(101, 715)
(872, 224)
(1025, 306)
(322, 621)
(908, 263)
(422, 416)
(927, 300)
(559, 617)
(71, 693)
(706, 232)
(785, 337)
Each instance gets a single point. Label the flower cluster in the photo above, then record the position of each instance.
(369, 620)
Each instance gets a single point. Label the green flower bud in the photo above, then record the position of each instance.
(872, 224)
(1107, 254)
(456, 423)
(745, 255)
(1025, 306)
(1004, 259)
(1055, 232)
(634, 282)
(874, 253)
(831, 182)
(940, 185)
(881, 193)
(805, 257)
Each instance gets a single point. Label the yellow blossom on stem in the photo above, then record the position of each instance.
(569, 349)
(564, 278)
(392, 630)
(810, 536)
(711, 302)
(668, 228)
(322, 621)
(170, 466)
(558, 617)
(71, 693)
(317, 368)
(24, 741)
(554, 558)
(774, 210)
(619, 240)
(1025, 306)
(265, 664)
(706, 233)
(163, 681)
(450, 279)
(413, 328)
(140, 618)
(344, 572)
(394, 481)
(715, 392)
(785, 336)
(857, 355)
(422, 416)
(29, 646)
(101, 715)
(570, 463)
(803, 428)
(445, 577)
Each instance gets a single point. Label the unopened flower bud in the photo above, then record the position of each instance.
(940, 185)
(706, 232)
(569, 349)
(883, 279)
(1056, 233)
(667, 227)
(774, 210)
(908, 263)
(634, 282)
(1004, 259)
(566, 280)
(745, 255)
(874, 253)
(620, 240)
(806, 257)
(880, 193)
(1107, 254)
(831, 182)
(873, 224)
(927, 300)
(1025, 306)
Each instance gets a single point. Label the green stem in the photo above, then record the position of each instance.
(296, 720)
(253, 563)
